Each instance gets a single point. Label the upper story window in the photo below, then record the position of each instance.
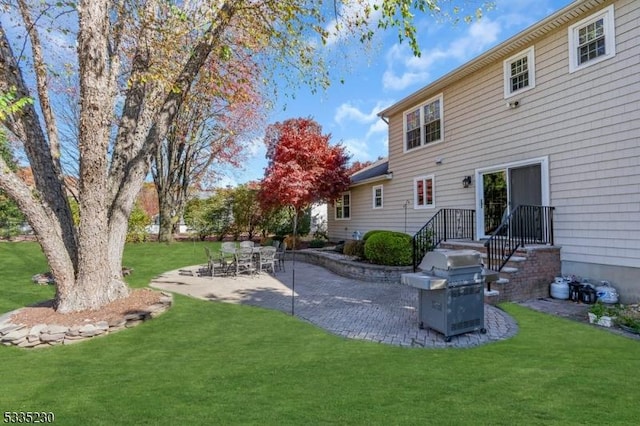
(423, 124)
(519, 73)
(592, 40)
(377, 197)
(423, 192)
(343, 206)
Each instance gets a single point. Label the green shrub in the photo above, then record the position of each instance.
(366, 236)
(138, 222)
(389, 248)
(316, 243)
(354, 248)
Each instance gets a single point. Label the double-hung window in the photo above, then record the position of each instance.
(423, 192)
(592, 40)
(343, 206)
(377, 197)
(423, 124)
(519, 73)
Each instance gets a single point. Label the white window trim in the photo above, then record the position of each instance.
(373, 201)
(422, 133)
(609, 38)
(415, 192)
(335, 207)
(531, 64)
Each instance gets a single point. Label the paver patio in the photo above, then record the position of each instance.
(379, 312)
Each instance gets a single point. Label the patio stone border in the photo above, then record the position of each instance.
(45, 335)
(348, 266)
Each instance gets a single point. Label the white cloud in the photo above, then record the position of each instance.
(413, 70)
(348, 112)
(358, 149)
(369, 129)
(398, 82)
(378, 126)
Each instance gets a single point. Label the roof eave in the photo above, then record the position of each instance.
(375, 179)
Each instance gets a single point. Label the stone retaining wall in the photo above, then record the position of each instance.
(348, 266)
(44, 335)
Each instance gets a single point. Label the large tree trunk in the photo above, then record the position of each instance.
(166, 217)
(94, 286)
(87, 262)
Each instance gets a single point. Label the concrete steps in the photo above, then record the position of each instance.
(526, 275)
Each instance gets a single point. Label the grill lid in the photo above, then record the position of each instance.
(449, 260)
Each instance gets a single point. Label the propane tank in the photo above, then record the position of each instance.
(559, 289)
(606, 293)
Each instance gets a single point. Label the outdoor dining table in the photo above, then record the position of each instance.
(227, 253)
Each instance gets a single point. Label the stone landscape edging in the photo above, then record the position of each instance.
(45, 335)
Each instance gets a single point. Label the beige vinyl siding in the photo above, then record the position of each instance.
(363, 216)
(586, 123)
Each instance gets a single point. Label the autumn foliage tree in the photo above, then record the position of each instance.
(208, 131)
(304, 168)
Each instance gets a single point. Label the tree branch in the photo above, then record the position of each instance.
(41, 83)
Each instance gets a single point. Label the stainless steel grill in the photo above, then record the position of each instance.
(450, 292)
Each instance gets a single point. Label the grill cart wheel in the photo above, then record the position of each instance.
(483, 330)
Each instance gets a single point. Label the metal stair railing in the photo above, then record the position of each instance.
(523, 225)
(445, 224)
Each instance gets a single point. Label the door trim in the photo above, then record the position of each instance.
(544, 186)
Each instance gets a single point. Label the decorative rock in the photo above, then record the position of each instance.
(88, 330)
(74, 331)
(8, 328)
(116, 323)
(29, 343)
(135, 316)
(102, 325)
(56, 329)
(19, 341)
(16, 334)
(43, 335)
(37, 329)
(43, 279)
(50, 338)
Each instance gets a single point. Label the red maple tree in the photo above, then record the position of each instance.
(303, 167)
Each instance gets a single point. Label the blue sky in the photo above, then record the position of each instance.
(389, 72)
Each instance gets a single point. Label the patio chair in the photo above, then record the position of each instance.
(267, 259)
(247, 243)
(229, 247)
(209, 268)
(279, 257)
(217, 264)
(244, 260)
(227, 260)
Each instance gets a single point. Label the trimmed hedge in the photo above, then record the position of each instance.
(367, 234)
(389, 248)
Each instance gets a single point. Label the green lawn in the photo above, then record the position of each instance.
(214, 363)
